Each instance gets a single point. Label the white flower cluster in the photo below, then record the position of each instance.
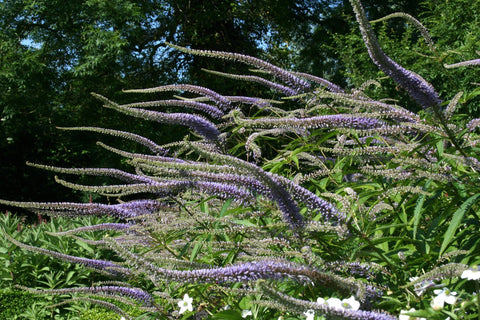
(345, 304)
(442, 296)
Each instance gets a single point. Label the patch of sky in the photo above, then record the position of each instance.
(30, 43)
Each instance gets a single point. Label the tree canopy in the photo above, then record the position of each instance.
(54, 53)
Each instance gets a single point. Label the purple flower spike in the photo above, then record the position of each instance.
(100, 265)
(96, 227)
(463, 64)
(249, 271)
(197, 123)
(219, 99)
(287, 77)
(132, 293)
(204, 107)
(418, 88)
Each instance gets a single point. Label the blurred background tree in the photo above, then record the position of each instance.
(54, 53)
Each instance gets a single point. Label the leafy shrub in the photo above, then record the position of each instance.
(322, 202)
(99, 314)
(14, 302)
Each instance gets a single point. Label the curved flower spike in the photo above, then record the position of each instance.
(418, 88)
(463, 64)
(293, 81)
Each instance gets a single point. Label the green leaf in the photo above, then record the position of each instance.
(226, 205)
(195, 251)
(440, 147)
(417, 213)
(472, 94)
(455, 222)
(85, 246)
(245, 303)
(227, 315)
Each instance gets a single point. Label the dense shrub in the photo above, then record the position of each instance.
(313, 202)
(13, 303)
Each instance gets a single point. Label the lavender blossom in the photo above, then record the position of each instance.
(278, 193)
(415, 22)
(197, 123)
(122, 134)
(204, 107)
(463, 64)
(99, 265)
(290, 210)
(132, 293)
(245, 272)
(418, 88)
(236, 179)
(224, 191)
(96, 227)
(330, 86)
(473, 124)
(221, 100)
(272, 85)
(291, 80)
(312, 201)
(141, 207)
(259, 102)
(331, 312)
(72, 209)
(139, 155)
(114, 173)
(327, 121)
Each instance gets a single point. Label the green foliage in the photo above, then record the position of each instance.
(98, 314)
(248, 230)
(13, 303)
(23, 267)
(452, 26)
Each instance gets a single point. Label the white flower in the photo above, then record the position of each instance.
(471, 274)
(122, 318)
(350, 303)
(320, 301)
(347, 304)
(310, 314)
(246, 313)
(403, 316)
(443, 296)
(185, 304)
(334, 302)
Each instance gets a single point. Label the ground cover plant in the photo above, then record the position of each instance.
(19, 267)
(312, 202)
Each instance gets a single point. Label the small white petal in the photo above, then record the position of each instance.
(350, 303)
(320, 301)
(334, 303)
(310, 314)
(185, 304)
(437, 303)
(246, 313)
(471, 274)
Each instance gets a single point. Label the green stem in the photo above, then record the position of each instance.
(372, 246)
(447, 130)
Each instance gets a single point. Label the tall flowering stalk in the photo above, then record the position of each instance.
(295, 221)
(418, 88)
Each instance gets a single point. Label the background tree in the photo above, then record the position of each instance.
(54, 53)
